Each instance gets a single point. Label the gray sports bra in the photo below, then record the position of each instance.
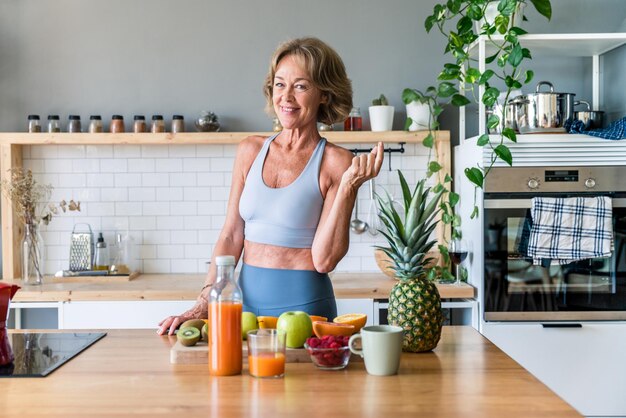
(285, 216)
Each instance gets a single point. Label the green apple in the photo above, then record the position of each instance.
(297, 325)
(248, 323)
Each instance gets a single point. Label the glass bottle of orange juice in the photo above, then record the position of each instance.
(225, 306)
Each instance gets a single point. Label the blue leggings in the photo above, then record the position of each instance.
(270, 292)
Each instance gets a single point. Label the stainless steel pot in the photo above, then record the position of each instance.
(543, 112)
(593, 119)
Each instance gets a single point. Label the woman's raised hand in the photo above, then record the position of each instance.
(364, 167)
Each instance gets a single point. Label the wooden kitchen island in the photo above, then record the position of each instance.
(128, 374)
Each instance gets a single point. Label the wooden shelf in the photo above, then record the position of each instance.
(206, 138)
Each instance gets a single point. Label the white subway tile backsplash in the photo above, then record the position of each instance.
(197, 165)
(182, 179)
(127, 180)
(173, 199)
(142, 223)
(154, 151)
(156, 208)
(126, 151)
(142, 194)
(157, 266)
(169, 194)
(128, 209)
(99, 151)
(168, 165)
(113, 165)
(141, 165)
(170, 251)
(183, 208)
(222, 164)
(155, 179)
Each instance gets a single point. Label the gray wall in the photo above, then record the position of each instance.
(157, 56)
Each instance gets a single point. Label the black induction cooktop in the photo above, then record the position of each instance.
(39, 354)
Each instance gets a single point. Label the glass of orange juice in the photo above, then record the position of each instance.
(266, 352)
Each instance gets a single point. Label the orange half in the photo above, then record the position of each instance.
(267, 321)
(356, 319)
(321, 328)
(317, 318)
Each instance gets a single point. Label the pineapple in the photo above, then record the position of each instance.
(414, 302)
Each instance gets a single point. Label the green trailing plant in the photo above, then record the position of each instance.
(380, 101)
(460, 78)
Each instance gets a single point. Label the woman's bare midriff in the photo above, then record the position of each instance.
(272, 256)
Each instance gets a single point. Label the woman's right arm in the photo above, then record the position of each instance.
(230, 241)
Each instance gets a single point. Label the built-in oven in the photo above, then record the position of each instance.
(515, 289)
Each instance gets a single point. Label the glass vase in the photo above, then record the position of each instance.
(32, 255)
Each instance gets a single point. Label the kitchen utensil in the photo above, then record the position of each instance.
(504, 111)
(543, 112)
(593, 119)
(357, 226)
(81, 249)
(207, 122)
(373, 221)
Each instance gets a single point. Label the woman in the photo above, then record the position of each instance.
(292, 194)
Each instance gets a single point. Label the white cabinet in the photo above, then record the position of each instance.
(118, 314)
(585, 366)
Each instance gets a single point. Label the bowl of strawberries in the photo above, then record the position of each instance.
(330, 352)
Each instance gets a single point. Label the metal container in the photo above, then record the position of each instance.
(81, 249)
(543, 112)
(593, 119)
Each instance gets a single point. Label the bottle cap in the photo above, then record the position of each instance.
(33, 117)
(140, 117)
(117, 117)
(178, 117)
(95, 117)
(74, 117)
(157, 117)
(224, 260)
(100, 237)
(53, 117)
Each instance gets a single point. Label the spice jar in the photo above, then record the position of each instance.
(95, 124)
(117, 124)
(354, 121)
(33, 124)
(73, 124)
(178, 124)
(54, 124)
(139, 125)
(158, 124)
(276, 126)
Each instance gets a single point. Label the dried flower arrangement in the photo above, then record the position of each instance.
(31, 203)
(27, 195)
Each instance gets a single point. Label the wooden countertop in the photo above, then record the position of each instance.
(187, 287)
(128, 374)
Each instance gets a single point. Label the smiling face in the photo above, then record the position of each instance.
(296, 100)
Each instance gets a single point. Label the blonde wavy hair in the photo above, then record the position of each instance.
(327, 72)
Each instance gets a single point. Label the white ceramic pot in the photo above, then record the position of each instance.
(420, 115)
(491, 12)
(381, 118)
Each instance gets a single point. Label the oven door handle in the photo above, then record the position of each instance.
(526, 203)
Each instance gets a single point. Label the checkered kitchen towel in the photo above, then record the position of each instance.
(570, 229)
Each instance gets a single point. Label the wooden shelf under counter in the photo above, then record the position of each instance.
(161, 287)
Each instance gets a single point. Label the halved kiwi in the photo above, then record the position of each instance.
(188, 336)
(196, 323)
(205, 333)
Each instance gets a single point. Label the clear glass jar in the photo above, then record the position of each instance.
(54, 124)
(225, 307)
(117, 124)
(139, 124)
(354, 121)
(33, 124)
(178, 124)
(122, 259)
(95, 124)
(73, 124)
(158, 124)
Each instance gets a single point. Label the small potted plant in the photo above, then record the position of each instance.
(420, 110)
(381, 114)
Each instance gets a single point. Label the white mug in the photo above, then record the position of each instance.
(381, 348)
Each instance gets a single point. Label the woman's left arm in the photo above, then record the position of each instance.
(332, 237)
